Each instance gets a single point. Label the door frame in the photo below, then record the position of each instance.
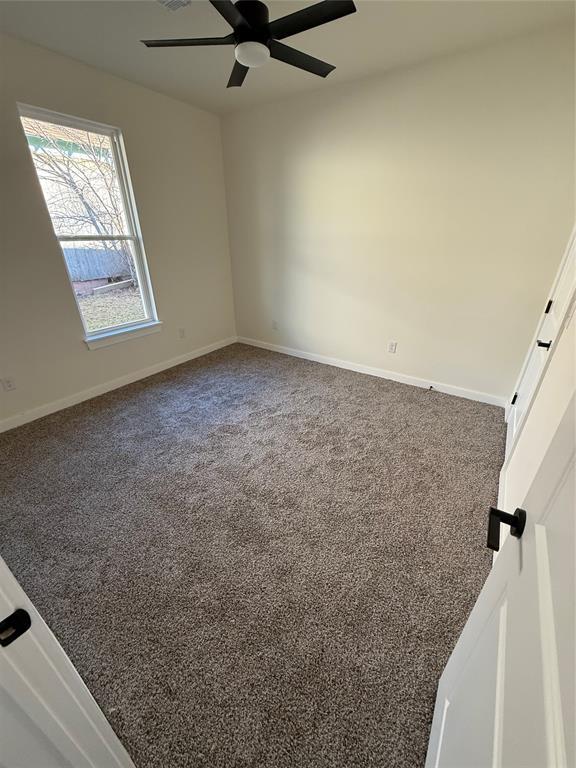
(568, 261)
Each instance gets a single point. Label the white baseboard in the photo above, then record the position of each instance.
(449, 389)
(65, 402)
(57, 405)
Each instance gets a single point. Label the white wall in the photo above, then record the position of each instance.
(174, 156)
(430, 206)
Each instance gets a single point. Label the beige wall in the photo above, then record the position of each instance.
(430, 206)
(174, 156)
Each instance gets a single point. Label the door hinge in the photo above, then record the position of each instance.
(548, 306)
(514, 398)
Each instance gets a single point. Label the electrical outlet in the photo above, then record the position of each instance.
(275, 326)
(181, 333)
(8, 384)
(392, 346)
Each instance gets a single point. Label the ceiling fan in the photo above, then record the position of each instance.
(255, 38)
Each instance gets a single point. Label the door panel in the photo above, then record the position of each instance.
(523, 747)
(555, 557)
(561, 532)
(509, 683)
(24, 744)
(467, 720)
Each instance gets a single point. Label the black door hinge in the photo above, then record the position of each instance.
(548, 306)
(514, 398)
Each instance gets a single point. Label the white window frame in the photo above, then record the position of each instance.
(106, 336)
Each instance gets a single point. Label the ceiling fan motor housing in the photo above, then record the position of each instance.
(257, 16)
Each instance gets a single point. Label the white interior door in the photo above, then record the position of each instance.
(48, 718)
(549, 327)
(533, 369)
(506, 697)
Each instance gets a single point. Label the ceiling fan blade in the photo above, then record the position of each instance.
(239, 72)
(298, 59)
(228, 40)
(228, 10)
(310, 17)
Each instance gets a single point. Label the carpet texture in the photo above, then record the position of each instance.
(255, 560)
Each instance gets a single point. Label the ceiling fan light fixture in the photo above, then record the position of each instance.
(256, 39)
(252, 54)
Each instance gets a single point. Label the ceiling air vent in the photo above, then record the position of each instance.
(174, 5)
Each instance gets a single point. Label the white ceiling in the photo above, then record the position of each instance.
(382, 35)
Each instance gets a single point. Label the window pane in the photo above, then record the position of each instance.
(78, 176)
(105, 282)
(86, 187)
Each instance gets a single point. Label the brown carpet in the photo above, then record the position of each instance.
(254, 560)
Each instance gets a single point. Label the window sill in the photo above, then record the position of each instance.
(98, 340)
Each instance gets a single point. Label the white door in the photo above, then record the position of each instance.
(506, 697)
(48, 718)
(549, 327)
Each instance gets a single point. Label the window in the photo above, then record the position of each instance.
(84, 178)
